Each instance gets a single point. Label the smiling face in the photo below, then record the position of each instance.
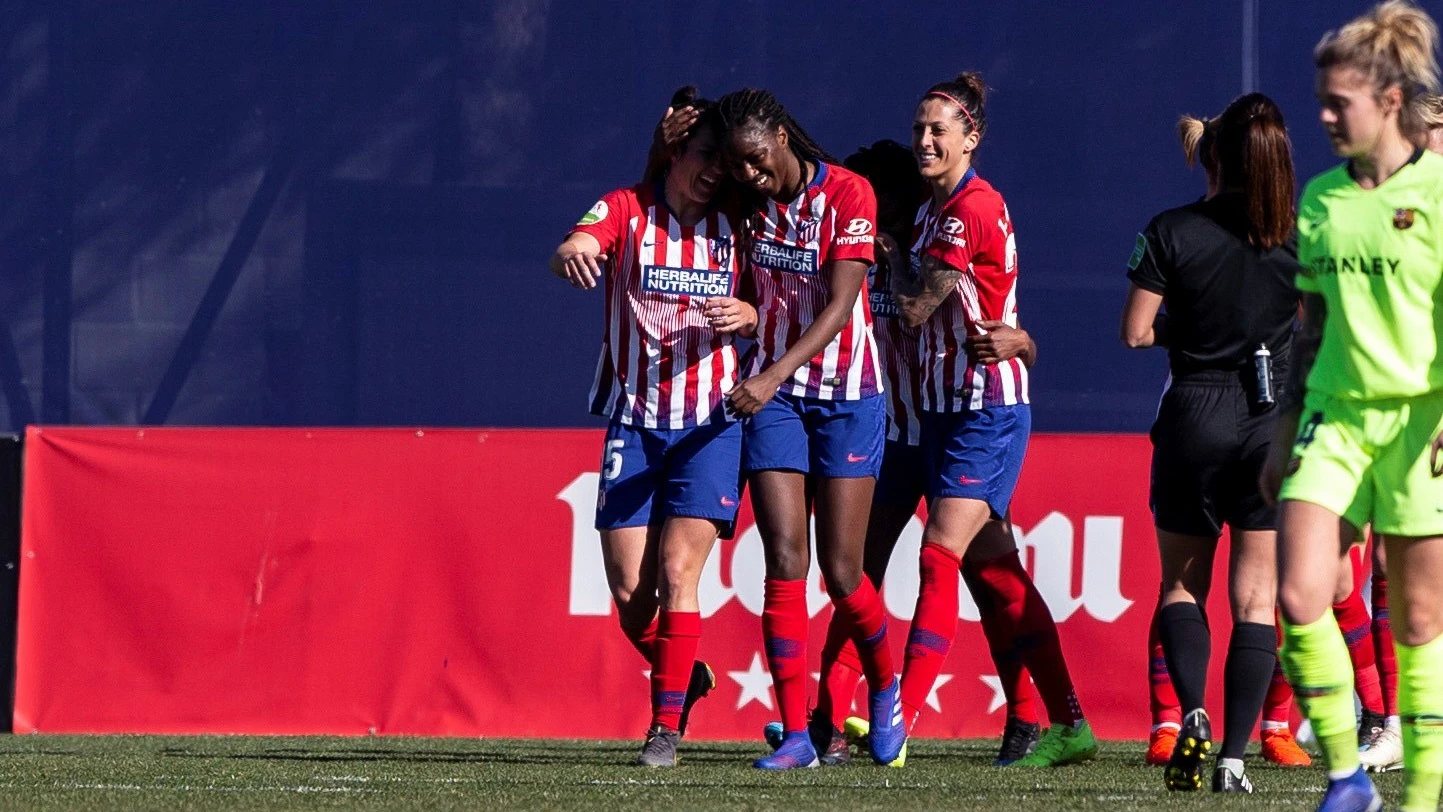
(759, 157)
(941, 140)
(1352, 112)
(696, 173)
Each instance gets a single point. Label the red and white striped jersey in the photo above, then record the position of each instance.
(662, 366)
(971, 232)
(899, 349)
(833, 219)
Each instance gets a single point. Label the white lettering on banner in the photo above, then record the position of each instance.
(591, 596)
(1050, 543)
(589, 593)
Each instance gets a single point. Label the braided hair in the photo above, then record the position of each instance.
(753, 107)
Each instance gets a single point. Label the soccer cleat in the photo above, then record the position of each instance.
(1194, 743)
(1225, 781)
(887, 733)
(773, 733)
(1018, 739)
(1061, 745)
(1280, 748)
(855, 730)
(1385, 753)
(660, 748)
(828, 741)
(1159, 744)
(703, 680)
(1370, 727)
(795, 753)
(1355, 793)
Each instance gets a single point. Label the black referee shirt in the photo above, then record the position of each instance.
(1223, 296)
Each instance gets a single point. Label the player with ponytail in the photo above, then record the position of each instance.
(1360, 437)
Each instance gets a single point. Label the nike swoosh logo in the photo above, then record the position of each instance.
(855, 458)
(967, 480)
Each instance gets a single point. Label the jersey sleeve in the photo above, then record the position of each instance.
(855, 208)
(961, 234)
(606, 221)
(1147, 267)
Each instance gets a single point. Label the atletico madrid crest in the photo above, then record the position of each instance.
(1402, 218)
(808, 229)
(721, 251)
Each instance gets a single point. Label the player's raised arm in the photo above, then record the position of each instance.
(578, 260)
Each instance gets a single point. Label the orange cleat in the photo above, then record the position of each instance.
(1280, 748)
(1160, 743)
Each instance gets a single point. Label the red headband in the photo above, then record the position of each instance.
(958, 102)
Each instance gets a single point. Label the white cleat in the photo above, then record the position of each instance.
(1385, 753)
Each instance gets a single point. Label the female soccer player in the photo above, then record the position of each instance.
(812, 397)
(1367, 439)
(1223, 267)
(669, 465)
(1016, 621)
(974, 416)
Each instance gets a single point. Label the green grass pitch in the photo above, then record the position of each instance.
(436, 775)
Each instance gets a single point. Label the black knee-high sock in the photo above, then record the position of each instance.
(1252, 651)
(1187, 644)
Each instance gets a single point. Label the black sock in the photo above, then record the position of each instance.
(1252, 652)
(1187, 644)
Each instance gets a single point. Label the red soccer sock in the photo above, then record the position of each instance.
(1353, 619)
(933, 626)
(1162, 699)
(1016, 682)
(643, 638)
(678, 634)
(1278, 703)
(784, 628)
(864, 612)
(1387, 657)
(841, 671)
(1034, 635)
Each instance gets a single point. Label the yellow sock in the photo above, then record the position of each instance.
(1420, 703)
(1315, 658)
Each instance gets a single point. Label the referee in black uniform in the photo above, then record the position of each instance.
(1223, 268)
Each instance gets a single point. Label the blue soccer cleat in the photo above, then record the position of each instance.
(795, 753)
(774, 734)
(887, 734)
(1355, 793)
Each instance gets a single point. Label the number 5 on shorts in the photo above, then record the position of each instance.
(612, 468)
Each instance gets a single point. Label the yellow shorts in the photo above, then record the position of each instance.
(1372, 461)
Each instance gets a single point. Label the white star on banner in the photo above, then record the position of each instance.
(999, 697)
(756, 684)
(932, 701)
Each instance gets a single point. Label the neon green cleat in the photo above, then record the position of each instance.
(1062, 744)
(856, 730)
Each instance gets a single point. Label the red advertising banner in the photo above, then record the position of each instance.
(449, 582)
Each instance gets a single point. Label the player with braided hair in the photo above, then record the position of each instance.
(812, 397)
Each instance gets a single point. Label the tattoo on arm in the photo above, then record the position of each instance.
(1305, 350)
(917, 297)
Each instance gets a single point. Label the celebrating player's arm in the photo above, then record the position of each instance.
(1000, 342)
(579, 260)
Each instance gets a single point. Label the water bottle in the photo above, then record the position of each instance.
(1263, 368)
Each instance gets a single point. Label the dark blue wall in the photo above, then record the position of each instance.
(339, 212)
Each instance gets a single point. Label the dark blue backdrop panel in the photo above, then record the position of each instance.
(442, 149)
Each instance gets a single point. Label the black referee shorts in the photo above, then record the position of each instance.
(1208, 447)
